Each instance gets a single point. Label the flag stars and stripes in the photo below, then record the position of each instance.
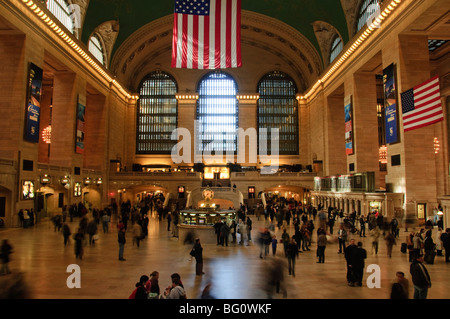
(206, 34)
(422, 105)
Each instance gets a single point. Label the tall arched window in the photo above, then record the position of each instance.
(368, 8)
(157, 114)
(278, 108)
(61, 10)
(96, 48)
(336, 48)
(217, 113)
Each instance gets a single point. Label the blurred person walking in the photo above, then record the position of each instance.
(375, 235)
(79, 241)
(321, 245)
(292, 254)
(137, 233)
(121, 240)
(105, 222)
(5, 251)
(390, 242)
(66, 234)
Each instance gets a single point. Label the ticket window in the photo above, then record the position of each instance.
(217, 173)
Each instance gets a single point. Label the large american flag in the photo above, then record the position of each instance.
(207, 34)
(422, 105)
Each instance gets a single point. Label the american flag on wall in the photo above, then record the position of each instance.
(422, 105)
(207, 34)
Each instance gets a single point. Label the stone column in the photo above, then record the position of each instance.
(419, 157)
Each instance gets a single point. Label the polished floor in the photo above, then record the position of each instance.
(236, 272)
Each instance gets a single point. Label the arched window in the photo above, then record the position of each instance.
(278, 108)
(157, 114)
(96, 48)
(336, 48)
(217, 114)
(368, 8)
(61, 10)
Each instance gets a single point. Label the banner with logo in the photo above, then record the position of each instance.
(33, 104)
(79, 143)
(390, 105)
(349, 144)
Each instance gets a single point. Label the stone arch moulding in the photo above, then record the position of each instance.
(107, 32)
(351, 8)
(154, 40)
(325, 34)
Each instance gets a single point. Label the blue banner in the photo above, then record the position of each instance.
(391, 124)
(33, 104)
(390, 104)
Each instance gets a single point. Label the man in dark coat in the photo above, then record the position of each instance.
(350, 253)
(198, 255)
(217, 228)
(420, 278)
(360, 255)
(224, 234)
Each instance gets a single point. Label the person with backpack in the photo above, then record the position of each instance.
(141, 291)
(176, 291)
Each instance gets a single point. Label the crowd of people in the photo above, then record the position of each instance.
(288, 224)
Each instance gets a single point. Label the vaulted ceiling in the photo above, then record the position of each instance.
(292, 36)
(134, 14)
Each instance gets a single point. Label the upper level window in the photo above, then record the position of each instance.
(278, 109)
(368, 9)
(336, 48)
(157, 114)
(61, 10)
(217, 114)
(96, 48)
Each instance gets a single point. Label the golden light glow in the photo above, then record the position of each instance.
(80, 51)
(357, 43)
(437, 145)
(47, 135)
(187, 97)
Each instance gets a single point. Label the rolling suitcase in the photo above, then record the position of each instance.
(404, 248)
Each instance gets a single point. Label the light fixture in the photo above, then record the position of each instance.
(65, 180)
(383, 154)
(47, 134)
(45, 179)
(437, 145)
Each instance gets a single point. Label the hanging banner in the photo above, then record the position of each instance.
(33, 104)
(349, 145)
(79, 143)
(390, 105)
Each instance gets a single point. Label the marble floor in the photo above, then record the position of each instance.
(235, 272)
